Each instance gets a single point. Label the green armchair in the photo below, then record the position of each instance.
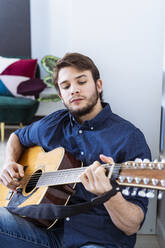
(18, 109)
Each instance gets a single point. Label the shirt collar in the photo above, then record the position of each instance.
(99, 118)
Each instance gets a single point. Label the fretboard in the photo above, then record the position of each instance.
(66, 176)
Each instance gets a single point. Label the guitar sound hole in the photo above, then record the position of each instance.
(33, 181)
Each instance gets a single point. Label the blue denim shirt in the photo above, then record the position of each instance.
(106, 134)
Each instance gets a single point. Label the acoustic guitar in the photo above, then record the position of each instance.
(50, 177)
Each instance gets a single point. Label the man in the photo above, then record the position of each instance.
(93, 134)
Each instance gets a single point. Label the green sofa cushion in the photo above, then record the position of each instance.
(14, 110)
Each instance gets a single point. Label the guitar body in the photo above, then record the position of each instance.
(36, 162)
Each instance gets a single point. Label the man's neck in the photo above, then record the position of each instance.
(95, 111)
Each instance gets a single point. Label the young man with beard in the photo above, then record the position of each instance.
(90, 131)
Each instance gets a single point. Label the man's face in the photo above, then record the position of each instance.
(78, 90)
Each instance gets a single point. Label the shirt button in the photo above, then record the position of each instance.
(92, 128)
(80, 131)
(82, 153)
(67, 219)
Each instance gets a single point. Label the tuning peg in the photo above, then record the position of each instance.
(162, 183)
(128, 165)
(146, 160)
(155, 181)
(146, 180)
(142, 193)
(129, 179)
(160, 166)
(155, 160)
(138, 180)
(150, 194)
(160, 195)
(144, 163)
(134, 192)
(126, 191)
(135, 165)
(151, 166)
(122, 179)
(136, 162)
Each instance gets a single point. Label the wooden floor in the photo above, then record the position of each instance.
(143, 241)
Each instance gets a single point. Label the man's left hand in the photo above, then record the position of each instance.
(94, 178)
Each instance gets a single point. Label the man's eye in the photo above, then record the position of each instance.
(82, 82)
(65, 87)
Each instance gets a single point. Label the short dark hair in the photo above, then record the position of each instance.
(78, 61)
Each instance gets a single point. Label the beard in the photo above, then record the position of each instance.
(86, 109)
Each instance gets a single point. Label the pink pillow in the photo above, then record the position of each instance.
(22, 67)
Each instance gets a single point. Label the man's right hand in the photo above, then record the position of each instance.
(11, 175)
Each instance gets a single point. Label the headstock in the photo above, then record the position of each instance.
(148, 176)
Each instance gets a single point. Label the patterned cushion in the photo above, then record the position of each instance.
(9, 84)
(14, 71)
(18, 67)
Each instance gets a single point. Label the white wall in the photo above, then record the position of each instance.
(40, 28)
(50, 27)
(124, 38)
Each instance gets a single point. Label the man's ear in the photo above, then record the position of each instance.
(99, 85)
(59, 94)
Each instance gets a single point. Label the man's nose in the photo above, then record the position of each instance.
(75, 89)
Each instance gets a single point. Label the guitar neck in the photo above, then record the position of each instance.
(134, 174)
(68, 176)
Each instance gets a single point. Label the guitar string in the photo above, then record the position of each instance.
(79, 170)
(75, 170)
(63, 172)
(34, 183)
(125, 166)
(57, 181)
(58, 175)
